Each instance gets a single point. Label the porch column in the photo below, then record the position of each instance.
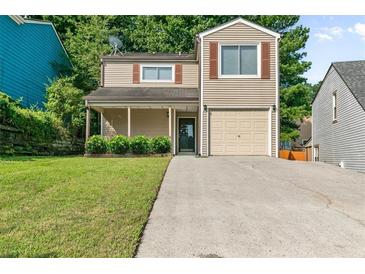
(170, 119)
(102, 123)
(174, 133)
(87, 131)
(129, 121)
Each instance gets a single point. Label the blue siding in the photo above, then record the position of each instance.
(27, 52)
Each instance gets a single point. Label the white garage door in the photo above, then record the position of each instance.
(239, 132)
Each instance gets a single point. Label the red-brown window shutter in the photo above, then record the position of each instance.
(213, 60)
(178, 74)
(136, 73)
(265, 60)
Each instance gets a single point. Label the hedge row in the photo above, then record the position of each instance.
(120, 144)
(35, 125)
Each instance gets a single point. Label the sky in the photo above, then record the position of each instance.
(331, 39)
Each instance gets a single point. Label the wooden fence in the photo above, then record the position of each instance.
(305, 155)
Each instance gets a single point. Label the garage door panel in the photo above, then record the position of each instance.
(231, 124)
(230, 137)
(244, 150)
(260, 137)
(245, 137)
(217, 137)
(218, 124)
(245, 124)
(260, 125)
(238, 132)
(230, 149)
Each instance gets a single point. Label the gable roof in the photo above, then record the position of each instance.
(20, 21)
(353, 74)
(243, 21)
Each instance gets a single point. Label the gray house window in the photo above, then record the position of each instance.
(157, 73)
(239, 60)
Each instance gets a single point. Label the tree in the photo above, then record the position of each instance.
(65, 23)
(64, 100)
(295, 104)
(86, 45)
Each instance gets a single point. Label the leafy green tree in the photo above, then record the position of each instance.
(295, 105)
(65, 23)
(85, 46)
(64, 100)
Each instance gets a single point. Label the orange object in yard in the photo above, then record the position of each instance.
(294, 155)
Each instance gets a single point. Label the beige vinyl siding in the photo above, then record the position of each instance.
(239, 92)
(120, 74)
(149, 122)
(344, 140)
(114, 121)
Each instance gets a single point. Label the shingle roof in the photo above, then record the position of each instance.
(152, 56)
(353, 74)
(128, 94)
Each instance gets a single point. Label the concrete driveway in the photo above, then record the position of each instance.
(256, 207)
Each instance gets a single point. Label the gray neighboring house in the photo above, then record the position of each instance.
(338, 111)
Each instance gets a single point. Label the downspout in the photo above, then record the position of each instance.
(201, 57)
(277, 96)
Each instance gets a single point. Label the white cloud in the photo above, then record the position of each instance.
(359, 29)
(329, 33)
(323, 36)
(334, 31)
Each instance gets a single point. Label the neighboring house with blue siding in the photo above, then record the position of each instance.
(338, 112)
(31, 54)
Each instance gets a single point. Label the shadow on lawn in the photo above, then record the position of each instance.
(41, 255)
(31, 158)
(19, 158)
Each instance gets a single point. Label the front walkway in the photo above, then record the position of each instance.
(256, 207)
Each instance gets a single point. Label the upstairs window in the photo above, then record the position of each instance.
(157, 73)
(239, 60)
(334, 106)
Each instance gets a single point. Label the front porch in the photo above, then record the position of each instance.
(149, 111)
(178, 121)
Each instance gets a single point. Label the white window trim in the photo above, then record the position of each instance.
(258, 75)
(172, 66)
(334, 106)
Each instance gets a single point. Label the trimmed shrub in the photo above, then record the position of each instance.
(119, 144)
(161, 144)
(36, 125)
(140, 144)
(97, 145)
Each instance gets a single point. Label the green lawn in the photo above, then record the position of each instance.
(74, 206)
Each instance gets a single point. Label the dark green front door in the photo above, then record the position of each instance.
(186, 135)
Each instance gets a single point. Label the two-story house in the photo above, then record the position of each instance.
(221, 100)
(338, 111)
